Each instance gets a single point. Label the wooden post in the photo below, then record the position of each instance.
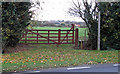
(73, 33)
(81, 43)
(85, 36)
(37, 36)
(26, 36)
(48, 35)
(76, 37)
(67, 36)
(59, 34)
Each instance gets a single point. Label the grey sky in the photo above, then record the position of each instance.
(55, 10)
(58, 10)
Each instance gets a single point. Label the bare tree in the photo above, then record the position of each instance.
(89, 13)
(36, 10)
(35, 6)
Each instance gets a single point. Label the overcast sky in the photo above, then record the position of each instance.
(55, 10)
(58, 10)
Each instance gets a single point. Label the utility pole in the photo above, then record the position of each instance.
(98, 47)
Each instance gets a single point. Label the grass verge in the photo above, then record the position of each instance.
(49, 56)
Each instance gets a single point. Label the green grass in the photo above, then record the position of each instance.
(49, 56)
(81, 30)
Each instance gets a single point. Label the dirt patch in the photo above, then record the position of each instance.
(18, 48)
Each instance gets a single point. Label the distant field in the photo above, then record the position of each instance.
(81, 30)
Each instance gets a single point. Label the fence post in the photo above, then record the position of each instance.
(25, 36)
(37, 36)
(85, 35)
(73, 33)
(76, 37)
(48, 36)
(67, 36)
(59, 34)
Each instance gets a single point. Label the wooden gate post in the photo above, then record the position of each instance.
(73, 33)
(67, 36)
(59, 34)
(48, 35)
(76, 37)
(37, 36)
(25, 36)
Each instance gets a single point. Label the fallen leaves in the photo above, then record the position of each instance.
(49, 57)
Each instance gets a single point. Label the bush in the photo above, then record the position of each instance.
(15, 18)
(110, 25)
(62, 24)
